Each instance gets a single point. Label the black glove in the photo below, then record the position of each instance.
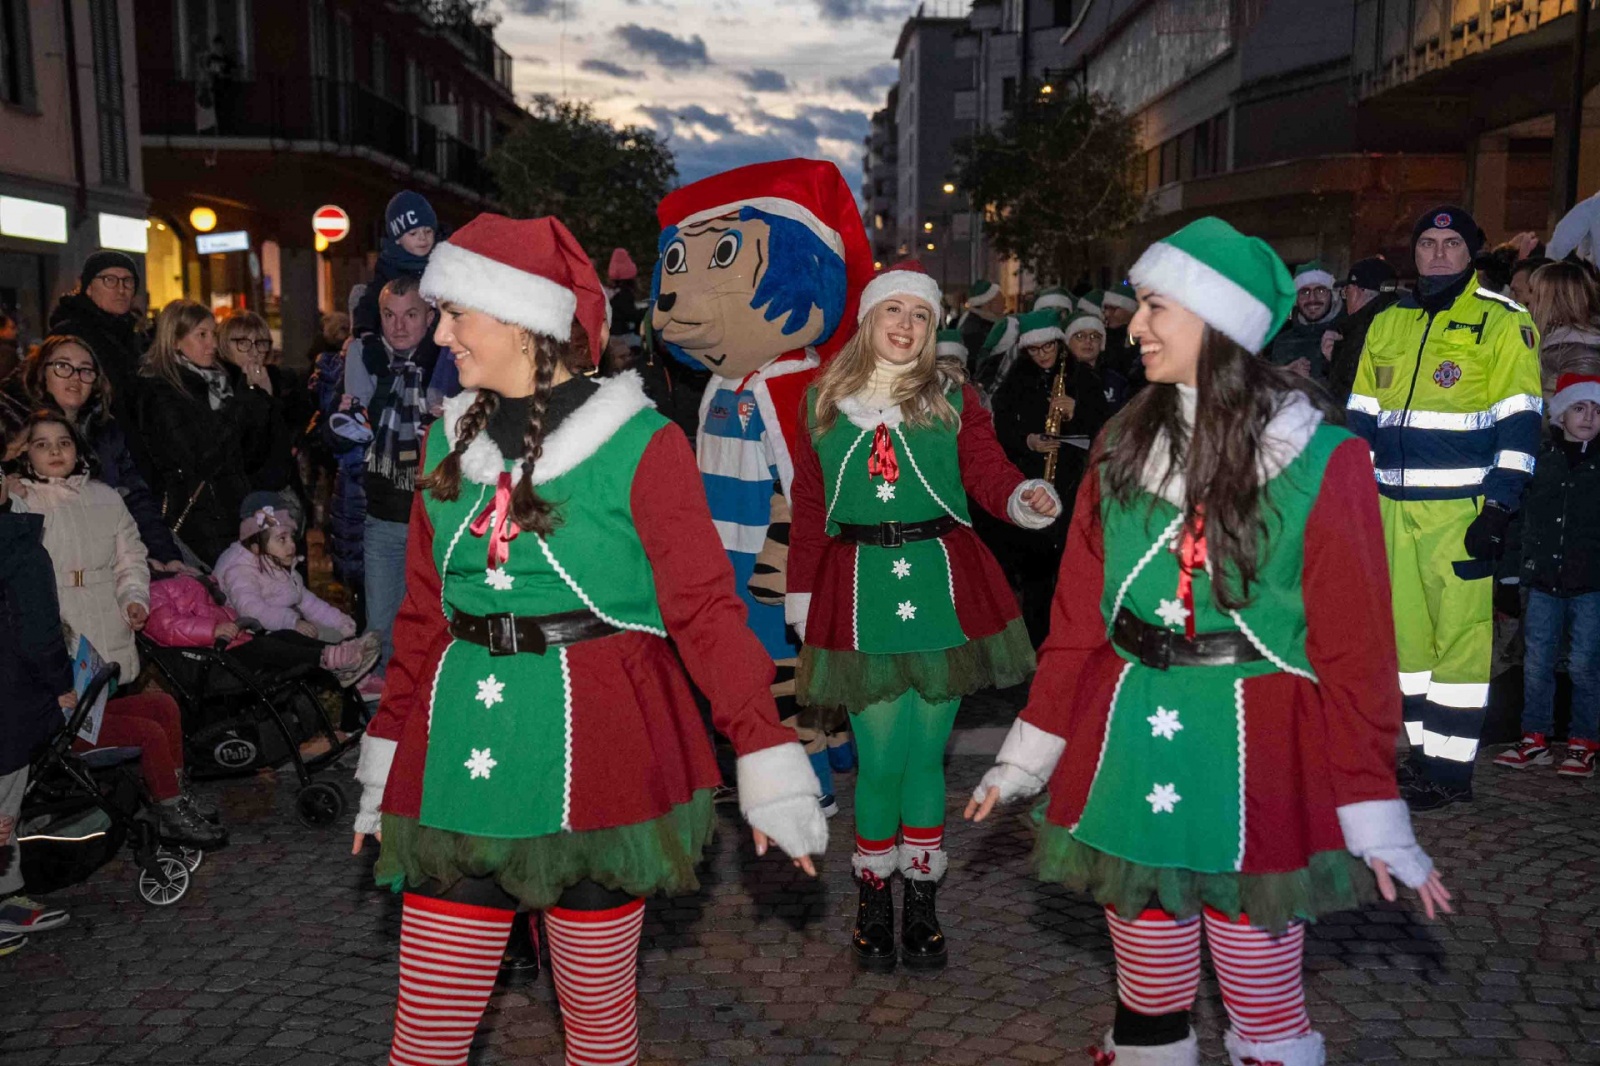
(1486, 537)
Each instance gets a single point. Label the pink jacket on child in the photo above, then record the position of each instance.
(183, 614)
(273, 596)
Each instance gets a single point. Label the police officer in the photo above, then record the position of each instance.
(1447, 395)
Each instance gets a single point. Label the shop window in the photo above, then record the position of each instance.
(214, 38)
(1008, 93)
(16, 56)
(105, 34)
(163, 262)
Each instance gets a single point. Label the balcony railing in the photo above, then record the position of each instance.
(1397, 43)
(340, 114)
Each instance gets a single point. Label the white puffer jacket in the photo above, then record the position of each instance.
(100, 562)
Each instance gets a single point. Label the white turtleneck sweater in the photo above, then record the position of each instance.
(885, 379)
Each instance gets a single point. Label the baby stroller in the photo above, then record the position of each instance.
(236, 722)
(81, 808)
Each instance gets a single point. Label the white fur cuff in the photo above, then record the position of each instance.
(1185, 1052)
(796, 825)
(796, 608)
(1307, 1050)
(777, 773)
(880, 866)
(1026, 517)
(1381, 829)
(372, 772)
(923, 864)
(1029, 748)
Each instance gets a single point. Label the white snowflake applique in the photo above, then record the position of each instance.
(498, 579)
(886, 492)
(1163, 798)
(491, 690)
(1173, 613)
(902, 568)
(907, 611)
(480, 764)
(1164, 723)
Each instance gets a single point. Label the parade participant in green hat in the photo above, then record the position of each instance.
(984, 307)
(1215, 711)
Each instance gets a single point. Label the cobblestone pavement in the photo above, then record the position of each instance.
(284, 953)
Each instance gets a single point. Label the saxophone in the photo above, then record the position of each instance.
(1052, 421)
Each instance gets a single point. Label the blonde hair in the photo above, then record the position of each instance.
(177, 320)
(1562, 294)
(920, 392)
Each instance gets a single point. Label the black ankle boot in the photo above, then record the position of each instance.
(922, 945)
(873, 939)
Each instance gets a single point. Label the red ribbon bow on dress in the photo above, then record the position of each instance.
(1101, 1056)
(498, 514)
(1191, 556)
(883, 460)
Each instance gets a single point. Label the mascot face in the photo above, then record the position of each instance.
(735, 292)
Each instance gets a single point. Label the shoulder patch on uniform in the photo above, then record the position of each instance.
(1527, 336)
(1490, 294)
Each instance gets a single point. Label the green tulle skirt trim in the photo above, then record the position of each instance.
(655, 856)
(855, 680)
(1331, 881)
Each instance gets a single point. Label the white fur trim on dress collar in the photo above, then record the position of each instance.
(1222, 302)
(578, 437)
(511, 295)
(1286, 436)
(865, 416)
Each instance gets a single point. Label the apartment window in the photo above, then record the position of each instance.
(16, 55)
(1067, 12)
(105, 34)
(1008, 93)
(214, 38)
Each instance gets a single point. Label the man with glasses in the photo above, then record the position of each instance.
(101, 314)
(1298, 346)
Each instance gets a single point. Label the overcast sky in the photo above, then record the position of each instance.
(728, 81)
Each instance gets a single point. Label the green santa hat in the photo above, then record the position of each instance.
(1002, 335)
(1091, 300)
(1054, 298)
(949, 345)
(1237, 284)
(1122, 296)
(1039, 327)
(1085, 322)
(1309, 275)
(981, 293)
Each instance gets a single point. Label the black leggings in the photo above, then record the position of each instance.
(486, 892)
(282, 649)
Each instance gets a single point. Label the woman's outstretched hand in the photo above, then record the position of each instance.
(802, 863)
(977, 812)
(1434, 896)
(355, 848)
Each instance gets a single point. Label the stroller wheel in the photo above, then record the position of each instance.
(319, 804)
(192, 857)
(167, 887)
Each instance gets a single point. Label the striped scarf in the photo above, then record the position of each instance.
(395, 453)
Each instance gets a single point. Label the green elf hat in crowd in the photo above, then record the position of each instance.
(1055, 298)
(1002, 335)
(1122, 296)
(949, 345)
(1237, 284)
(1091, 300)
(1309, 275)
(1038, 327)
(1086, 322)
(981, 293)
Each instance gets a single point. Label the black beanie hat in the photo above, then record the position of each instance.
(1373, 273)
(104, 259)
(1450, 217)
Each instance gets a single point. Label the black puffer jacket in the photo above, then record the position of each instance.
(34, 667)
(1560, 519)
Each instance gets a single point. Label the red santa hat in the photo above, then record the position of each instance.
(1570, 389)
(906, 278)
(530, 272)
(621, 267)
(811, 192)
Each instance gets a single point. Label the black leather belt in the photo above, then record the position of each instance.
(1161, 648)
(508, 634)
(894, 534)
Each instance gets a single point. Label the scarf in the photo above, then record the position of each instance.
(394, 453)
(402, 260)
(219, 389)
(1435, 292)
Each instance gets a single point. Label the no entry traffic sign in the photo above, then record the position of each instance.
(330, 222)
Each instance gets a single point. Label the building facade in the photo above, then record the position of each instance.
(70, 174)
(880, 185)
(928, 222)
(255, 115)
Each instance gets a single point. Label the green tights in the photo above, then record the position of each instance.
(900, 781)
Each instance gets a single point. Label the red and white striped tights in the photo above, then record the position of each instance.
(451, 952)
(1158, 970)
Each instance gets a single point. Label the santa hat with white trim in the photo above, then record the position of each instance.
(811, 192)
(1237, 284)
(530, 272)
(1002, 335)
(1121, 296)
(1085, 322)
(1092, 301)
(1054, 298)
(905, 278)
(1572, 388)
(981, 293)
(1038, 327)
(1312, 274)
(950, 345)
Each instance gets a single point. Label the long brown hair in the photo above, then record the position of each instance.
(177, 320)
(529, 510)
(1237, 396)
(37, 389)
(920, 393)
(1562, 294)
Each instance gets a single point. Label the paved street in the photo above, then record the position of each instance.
(284, 953)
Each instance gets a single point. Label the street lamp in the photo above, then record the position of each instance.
(203, 219)
(930, 246)
(949, 187)
(927, 227)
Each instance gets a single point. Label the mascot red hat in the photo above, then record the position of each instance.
(811, 192)
(531, 272)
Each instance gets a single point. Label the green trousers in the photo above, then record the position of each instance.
(900, 780)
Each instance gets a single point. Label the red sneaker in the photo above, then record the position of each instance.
(1580, 759)
(1531, 750)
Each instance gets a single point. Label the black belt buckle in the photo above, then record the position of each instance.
(501, 631)
(889, 535)
(1155, 648)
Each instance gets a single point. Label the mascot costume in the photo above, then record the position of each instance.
(757, 278)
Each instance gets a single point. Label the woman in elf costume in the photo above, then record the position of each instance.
(537, 745)
(1215, 710)
(902, 609)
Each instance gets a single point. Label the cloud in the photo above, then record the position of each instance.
(869, 86)
(837, 124)
(544, 9)
(869, 10)
(664, 118)
(763, 80)
(610, 70)
(707, 142)
(675, 53)
(534, 61)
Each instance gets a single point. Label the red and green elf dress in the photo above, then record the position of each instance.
(589, 761)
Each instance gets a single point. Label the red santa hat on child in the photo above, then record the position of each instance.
(621, 267)
(906, 278)
(1570, 389)
(530, 272)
